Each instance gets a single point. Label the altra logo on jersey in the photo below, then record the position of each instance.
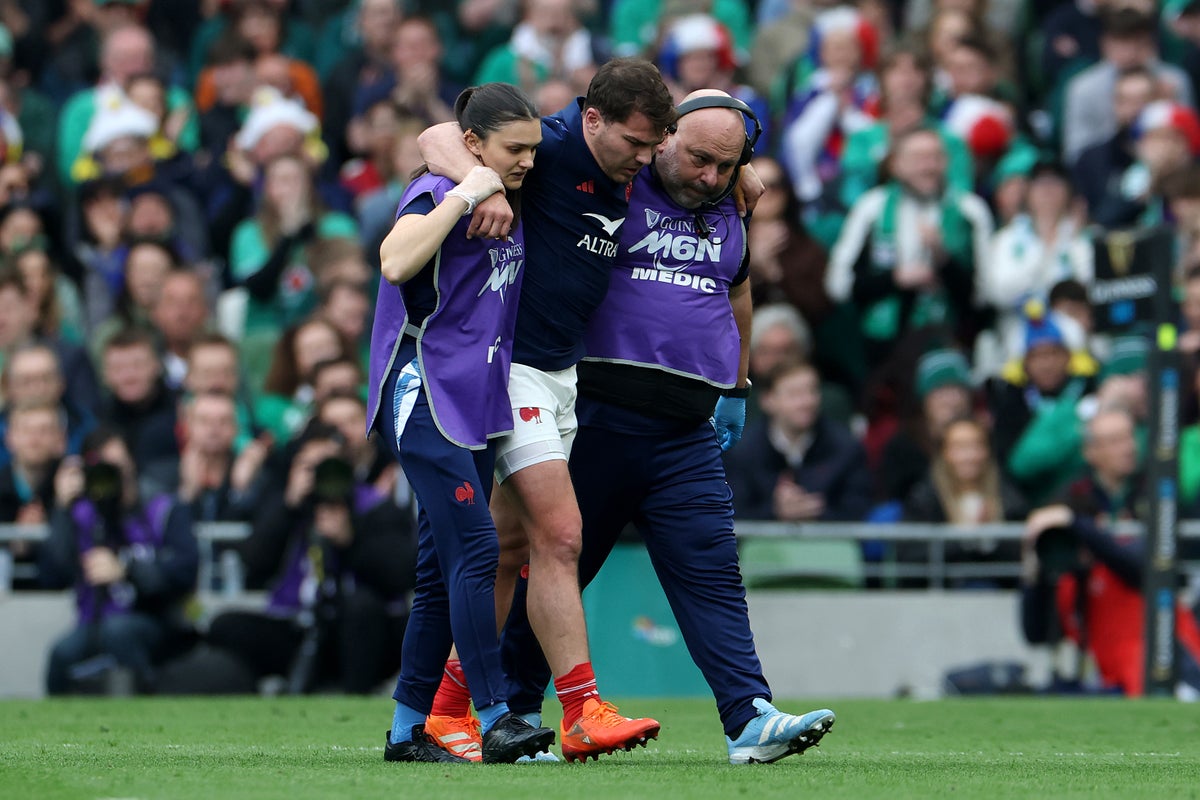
(673, 247)
(598, 244)
(506, 265)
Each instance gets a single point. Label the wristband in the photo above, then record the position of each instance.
(466, 198)
(740, 394)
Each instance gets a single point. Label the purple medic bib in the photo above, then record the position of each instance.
(464, 347)
(667, 305)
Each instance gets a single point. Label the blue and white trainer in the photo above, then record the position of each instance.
(773, 735)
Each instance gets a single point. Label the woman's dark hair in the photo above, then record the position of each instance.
(487, 108)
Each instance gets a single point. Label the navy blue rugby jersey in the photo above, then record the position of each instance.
(572, 214)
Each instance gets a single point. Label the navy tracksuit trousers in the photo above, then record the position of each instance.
(457, 556)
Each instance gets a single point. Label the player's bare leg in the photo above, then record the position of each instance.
(542, 499)
(514, 553)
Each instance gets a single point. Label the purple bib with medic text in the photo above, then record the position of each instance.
(465, 345)
(667, 305)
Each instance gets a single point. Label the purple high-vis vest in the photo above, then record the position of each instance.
(667, 305)
(143, 534)
(464, 348)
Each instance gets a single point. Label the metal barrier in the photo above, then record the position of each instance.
(935, 569)
(227, 568)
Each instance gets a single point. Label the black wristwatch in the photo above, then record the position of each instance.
(740, 394)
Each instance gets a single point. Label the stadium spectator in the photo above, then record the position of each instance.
(217, 482)
(1072, 39)
(337, 558)
(1082, 582)
(148, 92)
(377, 210)
(286, 403)
(368, 457)
(1112, 488)
(213, 367)
(905, 97)
(99, 248)
(126, 51)
(1181, 191)
(132, 559)
(36, 439)
(267, 252)
(1166, 140)
(347, 306)
(33, 376)
(274, 128)
(1098, 171)
(18, 316)
(946, 27)
(944, 393)
(260, 22)
(334, 377)
(59, 308)
(964, 487)
(786, 264)
(777, 45)
(696, 53)
(832, 103)
(470, 30)
(1036, 418)
(795, 464)
(910, 250)
(147, 264)
(1127, 41)
(779, 335)
(74, 32)
(1042, 246)
(636, 24)
(140, 407)
(157, 211)
(364, 63)
(179, 315)
(548, 42)
(415, 83)
(230, 62)
(371, 136)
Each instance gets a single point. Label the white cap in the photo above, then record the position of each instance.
(116, 116)
(269, 109)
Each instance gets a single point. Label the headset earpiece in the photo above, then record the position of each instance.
(716, 101)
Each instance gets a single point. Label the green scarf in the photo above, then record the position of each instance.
(881, 320)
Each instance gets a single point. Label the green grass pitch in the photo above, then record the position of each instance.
(331, 747)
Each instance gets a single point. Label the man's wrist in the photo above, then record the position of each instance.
(738, 392)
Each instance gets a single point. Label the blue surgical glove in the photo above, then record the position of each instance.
(729, 418)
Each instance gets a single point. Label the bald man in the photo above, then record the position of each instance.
(662, 391)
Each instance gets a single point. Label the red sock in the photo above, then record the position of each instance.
(573, 689)
(453, 698)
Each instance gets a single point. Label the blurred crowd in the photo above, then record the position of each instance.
(193, 194)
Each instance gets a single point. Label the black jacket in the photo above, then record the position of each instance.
(835, 467)
(382, 554)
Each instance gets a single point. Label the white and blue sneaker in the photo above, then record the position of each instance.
(773, 735)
